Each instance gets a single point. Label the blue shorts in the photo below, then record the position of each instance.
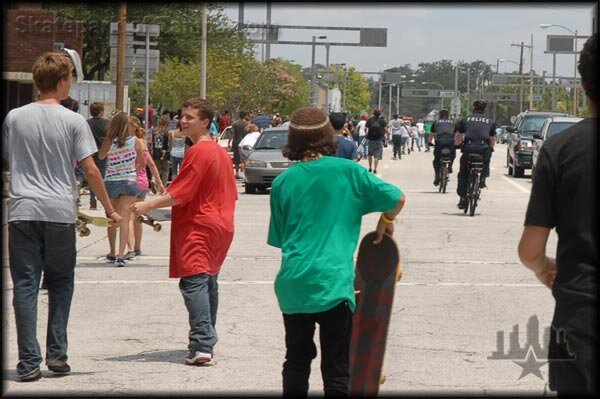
(115, 189)
(142, 194)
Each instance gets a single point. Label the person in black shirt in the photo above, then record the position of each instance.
(442, 131)
(99, 126)
(238, 132)
(564, 196)
(376, 130)
(479, 134)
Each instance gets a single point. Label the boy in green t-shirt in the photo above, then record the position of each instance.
(427, 126)
(316, 211)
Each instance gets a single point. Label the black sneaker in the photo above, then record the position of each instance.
(482, 184)
(111, 258)
(58, 366)
(33, 375)
(374, 172)
(120, 262)
(462, 204)
(370, 170)
(436, 181)
(130, 255)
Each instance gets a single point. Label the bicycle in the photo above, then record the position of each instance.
(444, 169)
(475, 167)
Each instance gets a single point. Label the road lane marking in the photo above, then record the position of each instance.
(523, 189)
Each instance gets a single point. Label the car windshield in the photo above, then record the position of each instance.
(534, 124)
(273, 140)
(558, 127)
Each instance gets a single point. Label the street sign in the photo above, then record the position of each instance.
(447, 93)
(136, 58)
(392, 77)
(499, 80)
(139, 29)
(420, 93)
(536, 97)
(455, 106)
(130, 41)
(500, 96)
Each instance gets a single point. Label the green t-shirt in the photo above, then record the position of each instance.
(316, 212)
(427, 127)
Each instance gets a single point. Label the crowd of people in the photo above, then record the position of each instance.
(44, 142)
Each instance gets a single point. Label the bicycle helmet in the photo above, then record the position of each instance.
(479, 104)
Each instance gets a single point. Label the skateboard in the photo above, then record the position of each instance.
(84, 219)
(155, 216)
(377, 271)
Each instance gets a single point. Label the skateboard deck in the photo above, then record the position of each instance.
(154, 217)
(84, 219)
(377, 271)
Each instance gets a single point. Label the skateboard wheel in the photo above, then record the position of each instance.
(140, 219)
(157, 227)
(79, 223)
(85, 232)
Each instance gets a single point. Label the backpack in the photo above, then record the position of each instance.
(375, 125)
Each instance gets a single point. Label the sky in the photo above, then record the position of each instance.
(426, 32)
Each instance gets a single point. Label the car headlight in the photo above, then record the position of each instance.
(255, 164)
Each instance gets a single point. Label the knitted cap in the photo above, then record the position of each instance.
(308, 125)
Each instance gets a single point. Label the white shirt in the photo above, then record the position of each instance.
(249, 139)
(361, 128)
(421, 127)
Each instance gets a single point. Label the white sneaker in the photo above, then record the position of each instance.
(198, 358)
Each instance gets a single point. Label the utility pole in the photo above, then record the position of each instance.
(575, 77)
(327, 56)
(554, 81)
(521, 74)
(268, 53)
(203, 49)
(456, 97)
(240, 16)
(121, 48)
(531, 74)
(345, 84)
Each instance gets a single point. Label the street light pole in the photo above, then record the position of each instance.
(575, 108)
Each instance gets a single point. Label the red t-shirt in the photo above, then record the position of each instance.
(224, 122)
(202, 223)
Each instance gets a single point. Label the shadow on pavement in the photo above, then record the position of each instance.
(129, 264)
(11, 375)
(173, 356)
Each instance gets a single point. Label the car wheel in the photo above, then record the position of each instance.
(519, 172)
(250, 188)
(510, 167)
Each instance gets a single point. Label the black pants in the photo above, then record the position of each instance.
(397, 142)
(463, 174)
(335, 331)
(437, 154)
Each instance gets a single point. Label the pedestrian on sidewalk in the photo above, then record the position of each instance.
(346, 148)
(564, 195)
(125, 156)
(376, 129)
(177, 147)
(203, 199)
(427, 128)
(238, 132)
(315, 220)
(134, 241)
(99, 126)
(395, 125)
(41, 142)
(160, 148)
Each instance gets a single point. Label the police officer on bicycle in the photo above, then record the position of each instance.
(477, 134)
(443, 131)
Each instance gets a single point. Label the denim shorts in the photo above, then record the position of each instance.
(142, 194)
(115, 189)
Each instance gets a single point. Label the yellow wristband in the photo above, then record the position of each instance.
(386, 220)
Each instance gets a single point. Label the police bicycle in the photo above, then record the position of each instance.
(446, 157)
(475, 167)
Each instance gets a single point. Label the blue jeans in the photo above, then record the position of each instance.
(175, 164)
(201, 297)
(35, 246)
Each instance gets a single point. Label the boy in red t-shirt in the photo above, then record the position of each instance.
(203, 198)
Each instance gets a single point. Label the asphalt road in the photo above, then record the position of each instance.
(462, 283)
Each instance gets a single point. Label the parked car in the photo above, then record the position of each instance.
(265, 162)
(519, 153)
(223, 137)
(552, 126)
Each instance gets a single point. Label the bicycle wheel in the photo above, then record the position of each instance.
(469, 191)
(474, 195)
(444, 182)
